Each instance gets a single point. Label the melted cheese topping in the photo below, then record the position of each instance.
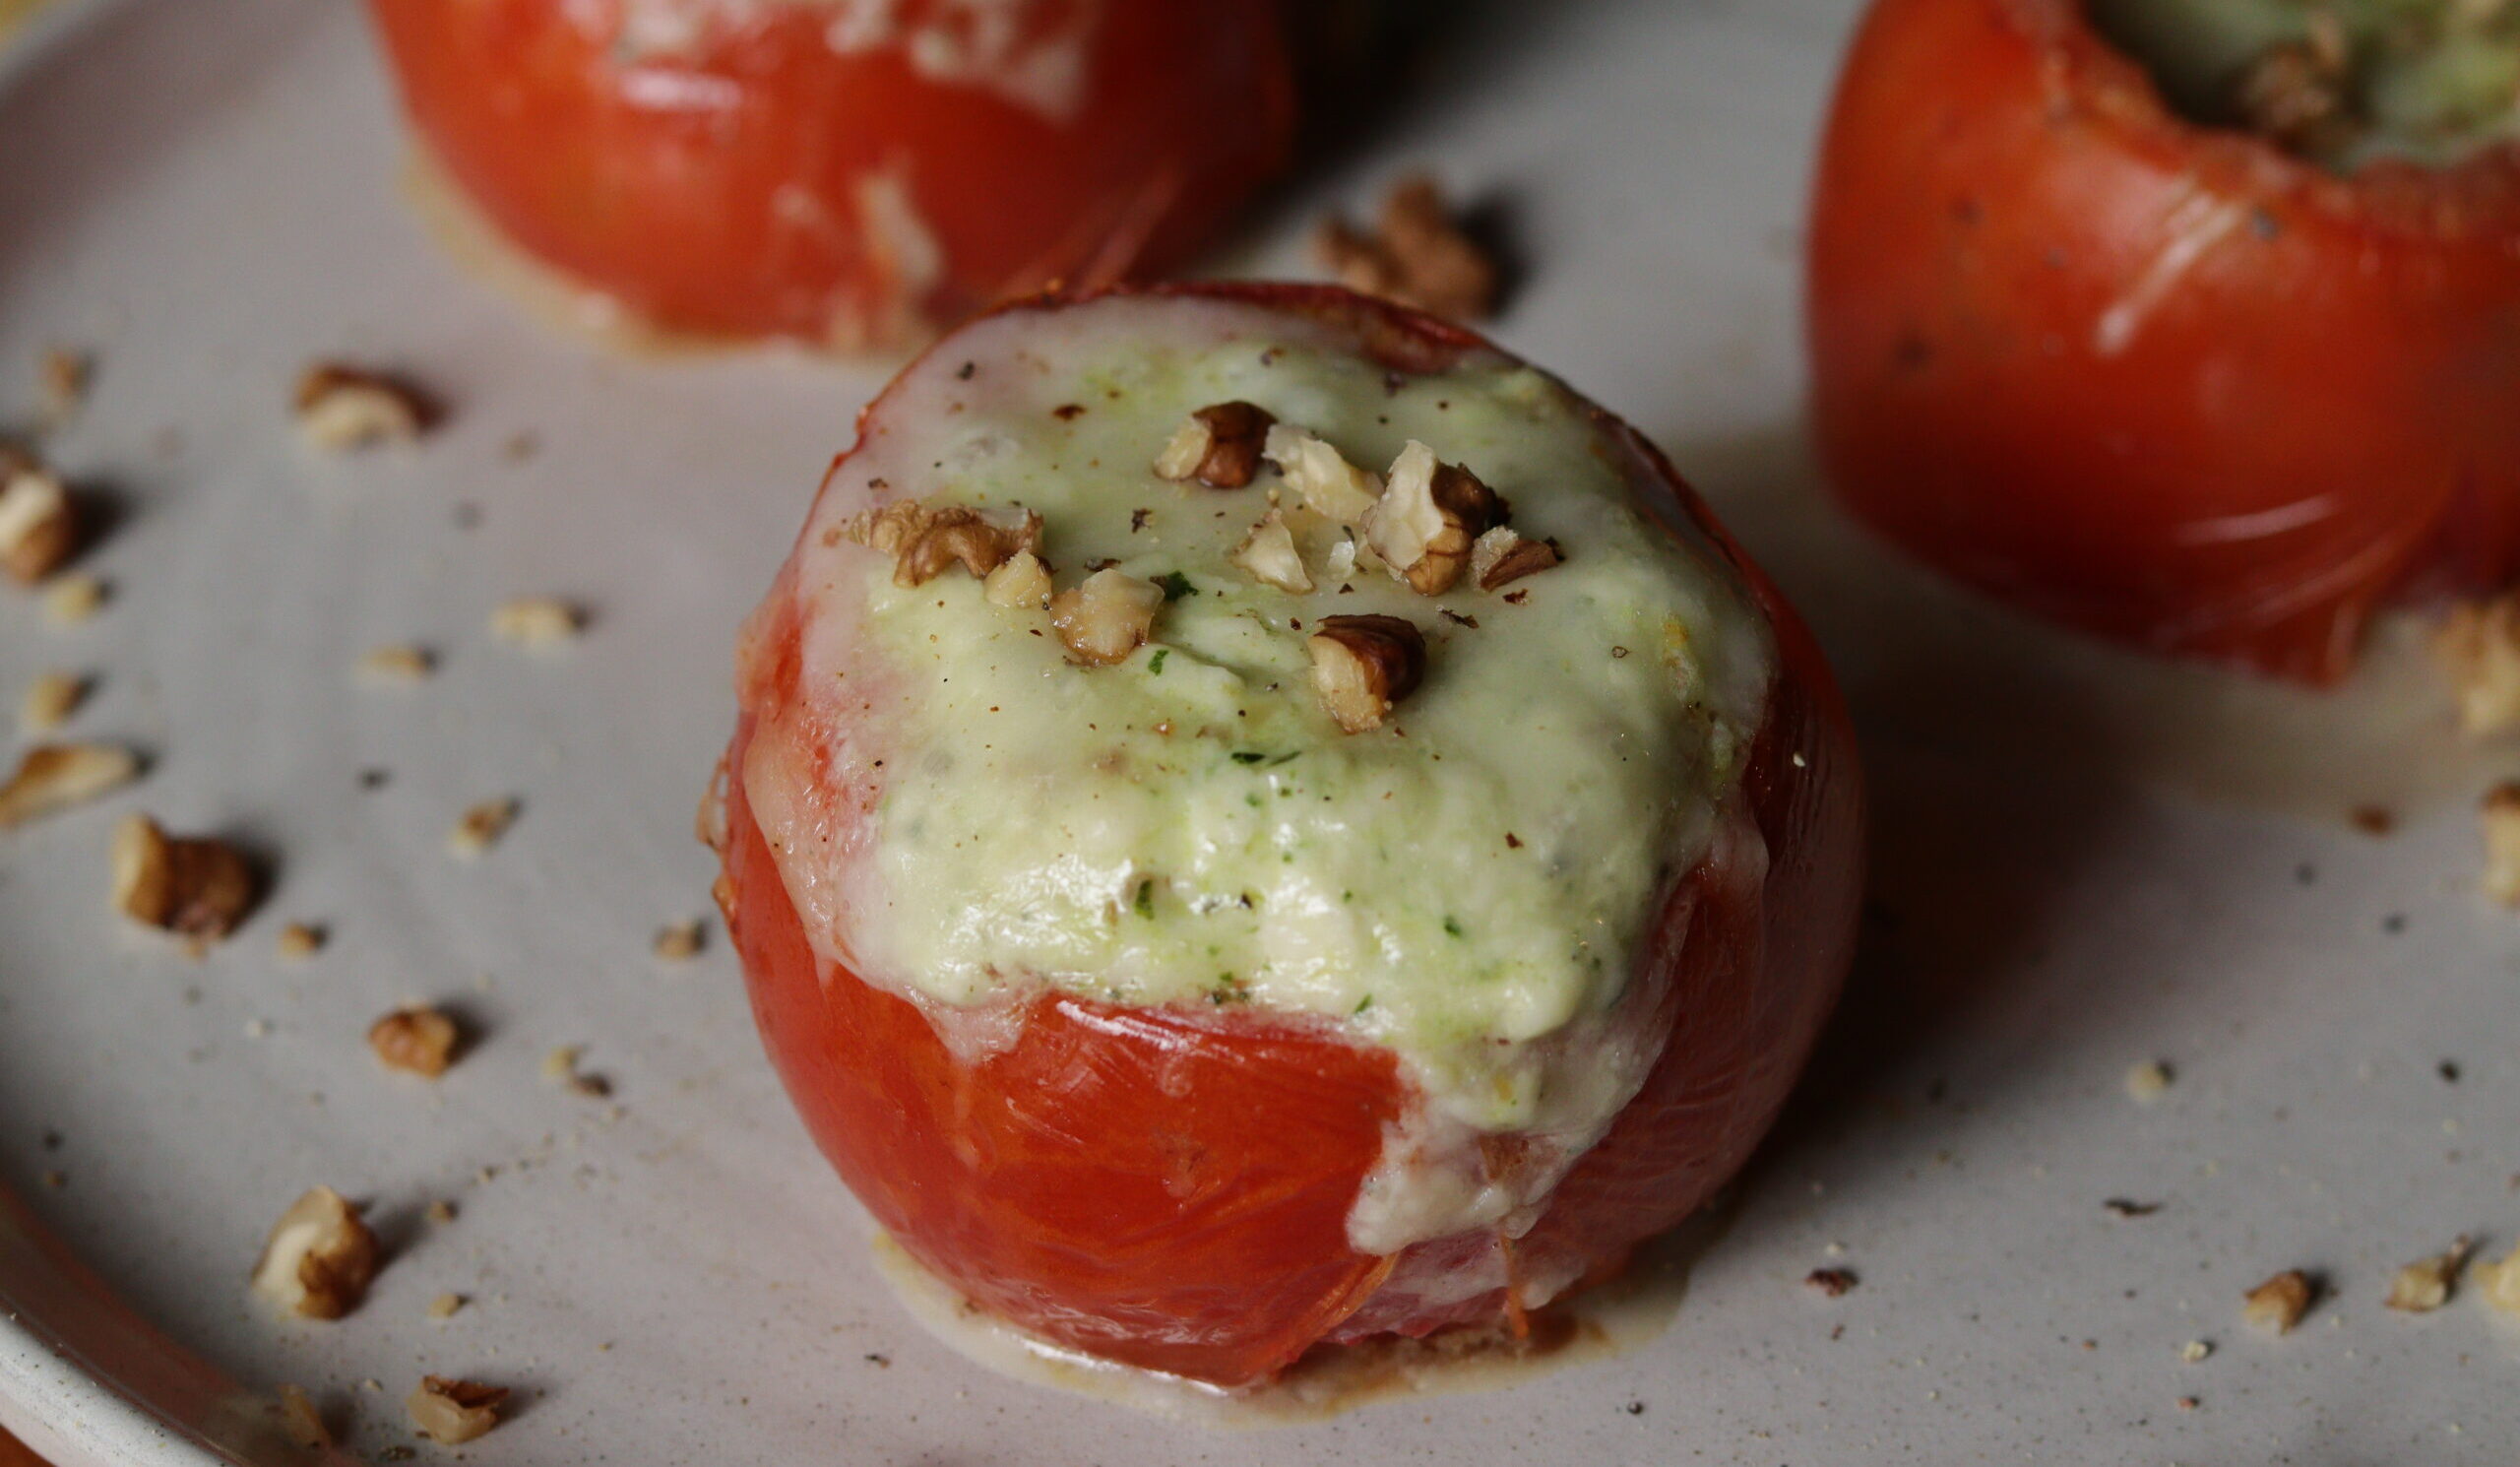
(1468, 886)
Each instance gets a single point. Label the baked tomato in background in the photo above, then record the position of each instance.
(2163, 381)
(854, 173)
(1171, 1187)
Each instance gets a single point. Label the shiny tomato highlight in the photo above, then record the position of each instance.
(2161, 382)
(846, 174)
(1169, 1187)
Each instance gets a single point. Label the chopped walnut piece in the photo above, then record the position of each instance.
(2194, 1351)
(926, 541)
(1331, 486)
(1022, 584)
(480, 828)
(1829, 1283)
(451, 1413)
(53, 777)
(680, 941)
(73, 599)
(2423, 1286)
(446, 1305)
(301, 1423)
(2147, 1081)
(1418, 256)
(198, 888)
(39, 526)
(320, 1257)
(49, 701)
(2294, 95)
(301, 939)
(2499, 1283)
(2280, 1302)
(1106, 616)
(1430, 515)
(537, 622)
(401, 664)
(418, 1040)
(342, 407)
(2501, 814)
(1268, 554)
(1363, 665)
(64, 376)
(561, 1067)
(2478, 647)
(1501, 557)
(1219, 446)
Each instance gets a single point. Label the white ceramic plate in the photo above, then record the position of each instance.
(2083, 863)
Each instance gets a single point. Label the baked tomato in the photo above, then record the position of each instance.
(1182, 1183)
(2166, 382)
(853, 173)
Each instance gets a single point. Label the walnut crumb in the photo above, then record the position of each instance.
(680, 941)
(1501, 557)
(1331, 486)
(2501, 814)
(1417, 255)
(481, 827)
(64, 375)
(1362, 665)
(49, 701)
(1106, 616)
(1021, 582)
(1429, 515)
(2424, 1285)
(446, 1305)
(926, 541)
(2498, 1283)
(2194, 1351)
(300, 940)
(440, 1212)
(1268, 554)
(2148, 1082)
(2278, 1303)
(341, 407)
(1829, 1283)
(196, 887)
(54, 777)
(561, 1067)
(1219, 446)
(39, 525)
(537, 622)
(398, 664)
(2478, 648)
(71, 599)
(320, 1257)
(418, 1040)
(451, 1413)
(301, 1423)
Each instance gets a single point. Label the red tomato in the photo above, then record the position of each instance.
(1169, 1186)
(848, 173)
(2161, 382)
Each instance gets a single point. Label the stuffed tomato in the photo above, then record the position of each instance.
(854, 173)
(2211, 346)
(1258, 820)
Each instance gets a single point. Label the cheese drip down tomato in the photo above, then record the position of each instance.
(2161, 381)
(849, 174)
(1165, 1018)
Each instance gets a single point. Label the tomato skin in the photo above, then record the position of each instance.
(722, 188)
(1170, 1187)
(2159, 382)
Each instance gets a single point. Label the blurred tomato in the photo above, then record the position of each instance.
(850, 172)
(1170, 1187)
(2160, 382)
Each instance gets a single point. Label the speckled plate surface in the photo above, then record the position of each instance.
(2082, 863)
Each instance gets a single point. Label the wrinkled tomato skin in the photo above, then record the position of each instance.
(1169, 1188)
(2158, 382)
(719, 188)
